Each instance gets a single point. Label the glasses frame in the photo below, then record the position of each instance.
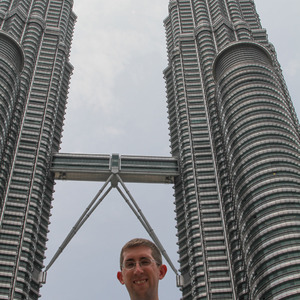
(138, 262)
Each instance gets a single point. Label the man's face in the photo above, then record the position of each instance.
(141, 282)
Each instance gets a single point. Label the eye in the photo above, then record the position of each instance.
(129, 264)
(145, 262)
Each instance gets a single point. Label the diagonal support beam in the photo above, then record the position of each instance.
(88, 211)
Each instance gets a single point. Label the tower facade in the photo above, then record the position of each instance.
(35, 40)
(235, 133)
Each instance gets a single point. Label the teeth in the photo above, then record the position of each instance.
(140, 281)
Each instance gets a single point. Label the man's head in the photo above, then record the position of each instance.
(141, 269)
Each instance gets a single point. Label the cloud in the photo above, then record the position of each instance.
(105, 41)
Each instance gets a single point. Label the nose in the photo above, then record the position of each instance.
(138, 269)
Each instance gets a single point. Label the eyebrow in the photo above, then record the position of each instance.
(131, 259)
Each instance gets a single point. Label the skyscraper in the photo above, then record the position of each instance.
(216, 97)
(35, 40)
(235, 133)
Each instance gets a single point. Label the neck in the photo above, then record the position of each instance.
(135, 297)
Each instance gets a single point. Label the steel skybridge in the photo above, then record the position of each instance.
(113, 169)
(98, 167)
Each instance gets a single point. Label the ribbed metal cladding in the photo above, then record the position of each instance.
(262, 148)
(44, 30)
(236, 136)
(11, 64)
(11, 52)
(204, 260)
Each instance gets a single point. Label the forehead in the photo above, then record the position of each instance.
(137, 253)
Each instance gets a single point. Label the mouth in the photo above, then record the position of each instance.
(140, 282)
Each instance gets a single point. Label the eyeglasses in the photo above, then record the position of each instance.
(144, 262)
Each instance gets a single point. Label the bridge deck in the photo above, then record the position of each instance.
(98, 167)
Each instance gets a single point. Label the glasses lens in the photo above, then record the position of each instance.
(129, 264)
(145, 262)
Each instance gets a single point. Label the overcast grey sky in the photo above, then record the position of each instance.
(117, 104)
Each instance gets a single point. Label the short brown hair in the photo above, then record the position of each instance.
(139, 242)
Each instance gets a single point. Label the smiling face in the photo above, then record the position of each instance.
(141, 283)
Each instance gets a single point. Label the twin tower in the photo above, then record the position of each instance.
(235, 143)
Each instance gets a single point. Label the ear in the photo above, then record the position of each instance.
(120, 277)
(162, 271)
